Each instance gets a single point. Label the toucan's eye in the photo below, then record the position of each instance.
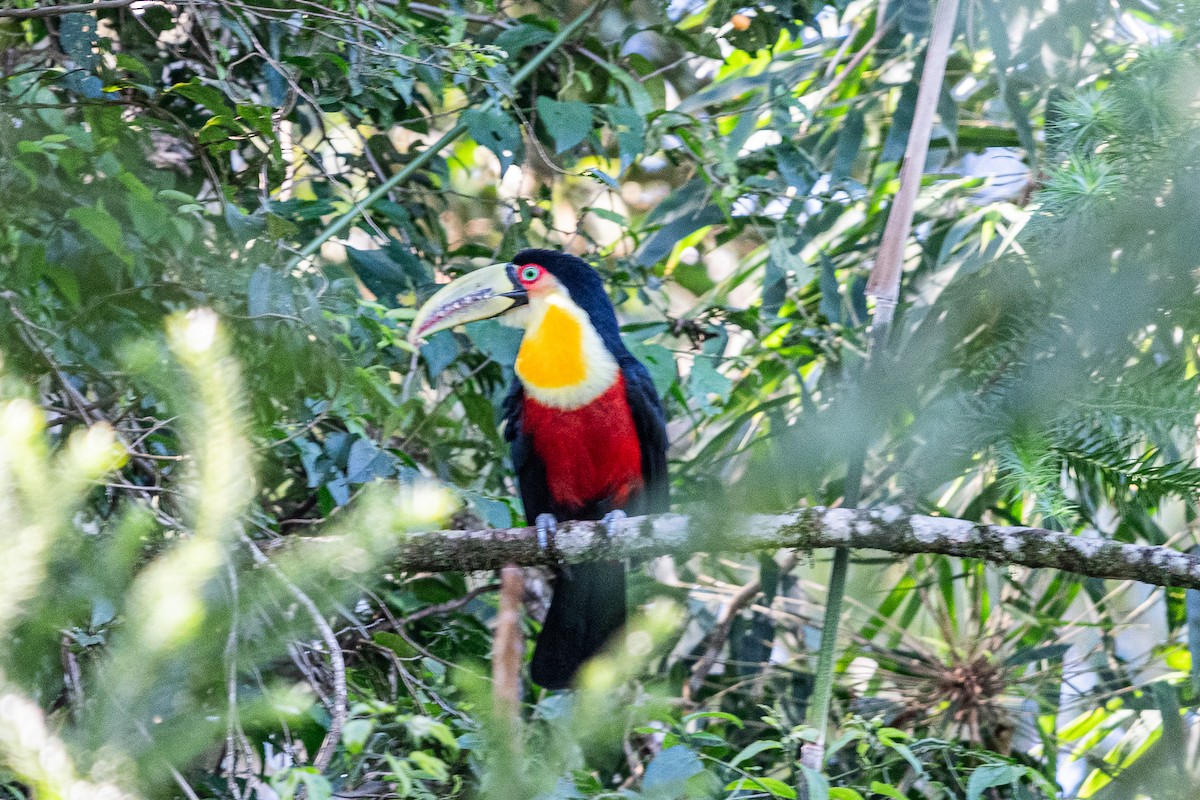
(530, 273)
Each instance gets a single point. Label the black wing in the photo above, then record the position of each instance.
(651, 424)
(529, 469)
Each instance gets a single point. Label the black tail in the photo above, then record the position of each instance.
(587, 609)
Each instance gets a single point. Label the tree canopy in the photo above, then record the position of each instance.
(217, 217)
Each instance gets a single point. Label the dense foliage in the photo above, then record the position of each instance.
(730, 171)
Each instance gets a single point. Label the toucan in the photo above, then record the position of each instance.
(585, 425)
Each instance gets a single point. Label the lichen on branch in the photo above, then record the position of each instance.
(888, 529)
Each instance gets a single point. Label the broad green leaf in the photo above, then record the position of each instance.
(992, 775)
(104, 227)
(430, 764)
(887, 790)
(754, 748)
(388, 272)
(902, 119)
(569, 122)
(356, 733)
(843, 793)
(630, 130)
(672, 766)
(848, 143)
(206, 96)
(498, 132)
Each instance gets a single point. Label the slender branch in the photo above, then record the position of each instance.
(55, 11)
(446, 607)
(426, 155)
(744, 597)
(338, 703)
(887, 529)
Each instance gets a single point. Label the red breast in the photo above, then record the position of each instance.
(591, 453)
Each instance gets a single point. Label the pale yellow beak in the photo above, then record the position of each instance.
(482, 294)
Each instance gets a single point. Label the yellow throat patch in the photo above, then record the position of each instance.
(552, 354)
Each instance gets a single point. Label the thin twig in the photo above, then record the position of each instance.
(448, 606)
(231, 721)
(339, 705)
(742, 598)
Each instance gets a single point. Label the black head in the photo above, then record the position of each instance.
(586, 288)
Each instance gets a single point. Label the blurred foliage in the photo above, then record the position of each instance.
(729, 169)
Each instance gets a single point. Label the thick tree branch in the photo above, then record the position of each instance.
(886, 529)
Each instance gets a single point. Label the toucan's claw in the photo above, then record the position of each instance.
(610, 521)
(547, 528)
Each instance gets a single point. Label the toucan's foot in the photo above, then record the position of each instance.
(547, 528)
(609, 522)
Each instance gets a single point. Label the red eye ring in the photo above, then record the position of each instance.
(530, 273)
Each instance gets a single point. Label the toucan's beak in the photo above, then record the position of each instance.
(482, 294)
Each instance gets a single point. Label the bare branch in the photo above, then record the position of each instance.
(720, 632)
(338, 703)
(887, 529)
(508, 649)
(56, 11)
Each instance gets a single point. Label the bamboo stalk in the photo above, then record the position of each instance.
(884, 285)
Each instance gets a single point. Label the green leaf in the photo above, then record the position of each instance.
(318, 786)
(206, 96)
(520, 36)
(776, 787)
(104, 227)
(992, 775)
(367, 462)
(849, 140)
(431, 765)
(356, 733)
(604, 177)
(818, 784)
(796, 167)
(439, 351)
(663, 241)
(630, 129)
(704, 380)
(754, 748)
(569, 123)
(887, 790)
(733, 719)
(672, 766)
(842, 793)
(77, 35)
(387, 272)
(498, 132)
(831, 298)
(658, 360)
(424, 728)
(902, 119)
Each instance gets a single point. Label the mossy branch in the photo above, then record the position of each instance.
(887, 529)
